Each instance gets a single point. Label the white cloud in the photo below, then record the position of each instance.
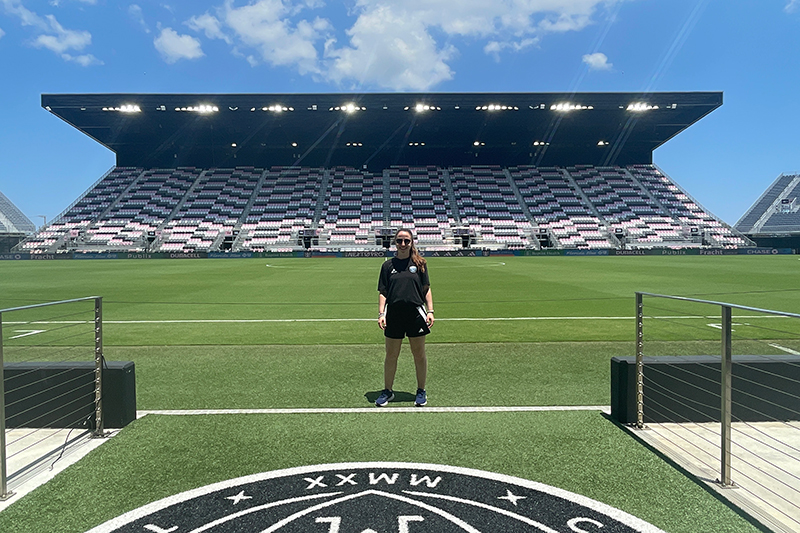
(265, 26)
(393, 44)
(26, 16)
(174, 47)
(2, 33)
(408, 45)
(57, 3)
(53, 36)
(83, 60)
(63, 39)
(137, 15)
(792, 6)
(496, 47)
(597, 61)
(210, 25)
(388, 49)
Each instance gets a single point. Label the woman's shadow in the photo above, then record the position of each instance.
(399, 396)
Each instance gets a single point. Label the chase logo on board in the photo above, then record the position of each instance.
(376, 498)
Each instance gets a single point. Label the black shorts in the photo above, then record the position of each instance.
(406, 320)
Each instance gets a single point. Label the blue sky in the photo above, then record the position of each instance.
(748, 49)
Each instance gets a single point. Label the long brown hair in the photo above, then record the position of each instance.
(415, 256)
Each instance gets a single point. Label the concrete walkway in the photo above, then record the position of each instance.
(765, 465)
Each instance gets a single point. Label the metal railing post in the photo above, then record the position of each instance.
(726, 367)
(639, 361)
(98, 367)
(4, 493)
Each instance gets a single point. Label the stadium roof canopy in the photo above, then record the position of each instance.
(377, 130)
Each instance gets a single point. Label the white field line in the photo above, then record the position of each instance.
(284, 320)
(341, 410)
(785, 349)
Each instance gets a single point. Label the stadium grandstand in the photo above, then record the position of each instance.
(774, 219)
(271, 172)
(14, 225)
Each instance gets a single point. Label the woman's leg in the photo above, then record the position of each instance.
(390, 363)
(420, 359)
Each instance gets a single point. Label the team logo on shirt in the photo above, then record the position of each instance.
(377, 498)
(412, 269)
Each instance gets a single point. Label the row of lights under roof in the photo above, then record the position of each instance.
(202, 108)
(421, 108)
(350, 108)
(277, 108)
(476, 144)
(496, 107)
(126, 108)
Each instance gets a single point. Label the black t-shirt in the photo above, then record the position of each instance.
(402, 281)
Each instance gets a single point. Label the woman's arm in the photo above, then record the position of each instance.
(429, 305)
(382, 311)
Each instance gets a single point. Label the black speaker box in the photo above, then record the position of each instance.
(687, 388)
(61, 395)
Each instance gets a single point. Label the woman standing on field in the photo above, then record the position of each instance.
(405, 308)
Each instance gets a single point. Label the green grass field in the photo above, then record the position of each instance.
(249, 334)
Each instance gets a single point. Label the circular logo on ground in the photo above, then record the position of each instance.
(376, 498)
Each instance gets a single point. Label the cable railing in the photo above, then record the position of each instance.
(718, 385)
(52, 360)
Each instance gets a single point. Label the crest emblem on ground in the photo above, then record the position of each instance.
(376, 498)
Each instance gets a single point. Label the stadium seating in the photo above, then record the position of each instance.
(12, 220)
(778, 209)
(185, 210)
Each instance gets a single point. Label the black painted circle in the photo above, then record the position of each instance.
(376, 498)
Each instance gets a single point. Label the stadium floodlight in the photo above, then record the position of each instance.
(349, 108)
(497, 107)
(421, 108)
(565, 107)
(202, 108)
(639, 107)
(603, 143)
(125, 108)
(540, 143)
(277, 108)
(294, 145)
(478, 143)
(233, 145)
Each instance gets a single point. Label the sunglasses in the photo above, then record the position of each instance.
(403, 241)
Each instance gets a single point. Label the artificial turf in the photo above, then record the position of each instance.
(578, 313)
(582, 452)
